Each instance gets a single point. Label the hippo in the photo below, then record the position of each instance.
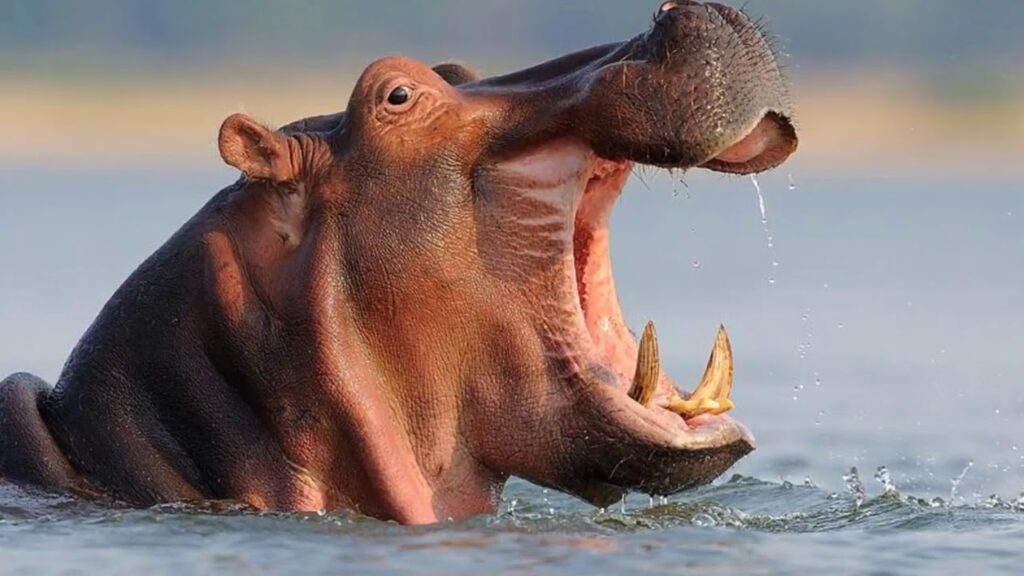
(398, 307)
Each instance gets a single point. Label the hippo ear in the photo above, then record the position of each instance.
(255, 150)
(455, 73)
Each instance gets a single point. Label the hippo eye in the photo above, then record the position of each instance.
(399, 96)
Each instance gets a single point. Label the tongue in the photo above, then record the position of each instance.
(752, 145)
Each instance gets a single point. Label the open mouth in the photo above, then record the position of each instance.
(691, 419)
(700, 89)
(635, 365)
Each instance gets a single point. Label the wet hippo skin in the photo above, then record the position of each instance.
(399, 306)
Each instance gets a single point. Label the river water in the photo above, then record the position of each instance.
(880, 330)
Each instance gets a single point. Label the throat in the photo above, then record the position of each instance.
(595, 281)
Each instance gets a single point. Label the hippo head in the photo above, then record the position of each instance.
(438, 257)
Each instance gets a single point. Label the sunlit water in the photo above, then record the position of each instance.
(741, 526)
(889, 342)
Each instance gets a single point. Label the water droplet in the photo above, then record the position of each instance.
(696, 264)
(841, 326)
(792, 183)
(764, 223)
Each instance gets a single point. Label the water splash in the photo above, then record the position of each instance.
(885, 479)
(995, 502)
(704, 520)
(958, 480)
(855, 487)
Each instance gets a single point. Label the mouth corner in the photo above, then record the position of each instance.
(764, 146)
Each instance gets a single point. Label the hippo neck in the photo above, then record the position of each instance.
(363, 424)
(278, 402)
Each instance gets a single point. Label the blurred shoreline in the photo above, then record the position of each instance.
(889, 120)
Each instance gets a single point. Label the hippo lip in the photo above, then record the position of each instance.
(764, 145)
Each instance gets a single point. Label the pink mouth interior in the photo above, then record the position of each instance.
(595, 283)
(570, 180)
(754, 144)
(769, 143)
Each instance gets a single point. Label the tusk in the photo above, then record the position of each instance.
(717, 381)
(712, 395)
(648, 368)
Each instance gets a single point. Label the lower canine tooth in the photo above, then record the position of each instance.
(717, 381)
(712, 395)
(648, 368)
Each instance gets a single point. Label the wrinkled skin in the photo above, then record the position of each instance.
(402, 305)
